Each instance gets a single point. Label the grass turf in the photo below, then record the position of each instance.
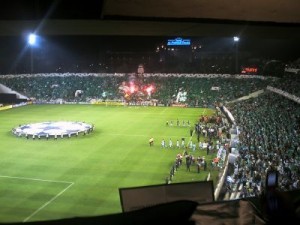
(63, 178)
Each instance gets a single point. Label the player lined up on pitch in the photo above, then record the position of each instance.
(178, 124)
(179, 144)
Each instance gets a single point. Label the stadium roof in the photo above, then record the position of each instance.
(256, 18)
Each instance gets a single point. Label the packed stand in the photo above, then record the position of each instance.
(289, 83)
(47, 88)
(269, 139)
(206, 92)
(201, 92)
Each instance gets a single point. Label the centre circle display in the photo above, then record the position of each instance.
(53, 129)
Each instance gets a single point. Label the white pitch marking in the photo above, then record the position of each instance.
(47, 203)
(36, 179)
(41, 180)
(163, 111)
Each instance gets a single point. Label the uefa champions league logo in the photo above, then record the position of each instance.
(58, 129)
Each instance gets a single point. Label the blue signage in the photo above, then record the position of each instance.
(179, 41)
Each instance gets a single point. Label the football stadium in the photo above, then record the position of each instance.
(192, 127)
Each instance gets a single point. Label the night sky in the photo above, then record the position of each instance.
(283, 49)
(14, 49)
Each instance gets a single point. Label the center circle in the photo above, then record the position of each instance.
(53, 129)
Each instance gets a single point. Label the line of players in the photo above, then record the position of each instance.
(182, 144)
(179, 144)
(178, 124)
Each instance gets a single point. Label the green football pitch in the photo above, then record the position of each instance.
(81, 176)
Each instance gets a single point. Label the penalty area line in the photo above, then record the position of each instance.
(47, 203)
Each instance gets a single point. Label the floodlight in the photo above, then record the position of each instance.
(31, 39)
(236, 39)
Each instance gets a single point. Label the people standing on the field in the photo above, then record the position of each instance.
(184, 123)
(177, 144)
(194, 147)
(151, 141)
(170, 143)
(198, 167)
(182, 143)
(200, 145)
(188, 161)
(209, 147)
(204, 164)
(204, 132)
(167, 181)
(163, 143)
(179, 158)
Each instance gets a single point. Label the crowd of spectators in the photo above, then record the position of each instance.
(203, 91)
(293, 64)
(206, 92)
(289, 83)
(47, 88)
(269, 139)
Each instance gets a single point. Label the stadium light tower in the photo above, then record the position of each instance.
(31, 40)
(236, 40)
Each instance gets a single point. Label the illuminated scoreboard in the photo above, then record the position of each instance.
(179, 42)
(249, 70)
